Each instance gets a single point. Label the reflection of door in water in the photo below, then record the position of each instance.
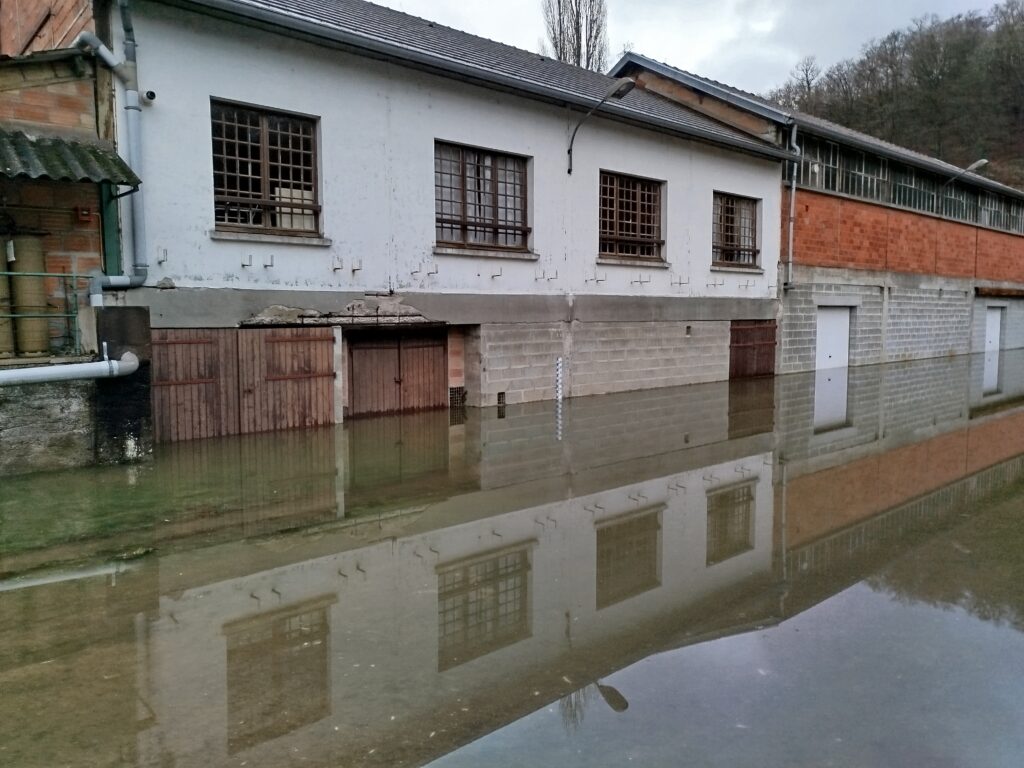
(831, 393)
(833, 339)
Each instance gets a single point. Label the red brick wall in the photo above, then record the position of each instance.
(832, 231)
(36, 25)
(827, 501)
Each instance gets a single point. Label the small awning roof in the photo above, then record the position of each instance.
(27, 154)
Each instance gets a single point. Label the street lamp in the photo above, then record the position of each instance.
(618, 89)
(970, 168)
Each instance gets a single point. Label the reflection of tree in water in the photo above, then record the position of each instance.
(977, 567)
(573, 707)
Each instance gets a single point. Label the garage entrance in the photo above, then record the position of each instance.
(397, 372)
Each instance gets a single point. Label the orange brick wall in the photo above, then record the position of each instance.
(827, 501)
(63, 105)
(36, 25)
(832, 231)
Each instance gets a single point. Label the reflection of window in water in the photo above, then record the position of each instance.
(628, 556)
(483, 604)
(278, 677)
(730, 522)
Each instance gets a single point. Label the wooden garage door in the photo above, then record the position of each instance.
(393, 373)
(752, 348)
(214, 382)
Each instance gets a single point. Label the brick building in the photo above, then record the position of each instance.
(58, 181)
(887, 254)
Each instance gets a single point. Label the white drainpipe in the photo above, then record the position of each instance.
(126, 71)
(40, 374)
(792, 208)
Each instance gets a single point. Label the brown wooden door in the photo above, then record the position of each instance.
(223, 381)
(752, 348)
(285, 378)
(396, 373)
(194, 383)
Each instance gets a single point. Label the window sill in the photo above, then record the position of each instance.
(619, 261)
(259, 237)
(738, 270)
(486, 253)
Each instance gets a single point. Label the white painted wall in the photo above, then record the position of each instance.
(378, 124)
(383, 657)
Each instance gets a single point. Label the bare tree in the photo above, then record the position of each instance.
(577, 32)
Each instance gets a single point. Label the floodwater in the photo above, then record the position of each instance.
(815, 570)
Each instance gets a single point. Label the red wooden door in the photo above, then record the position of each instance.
(752, 348)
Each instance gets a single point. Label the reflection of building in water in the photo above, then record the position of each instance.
(531, 566)
(278, 675)
(483, 604)
(628, 556)
(730, 522)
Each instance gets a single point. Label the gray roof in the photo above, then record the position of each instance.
(814, 125)
(27, 153)
(382, 33)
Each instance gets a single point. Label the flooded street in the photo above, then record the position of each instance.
(802, 571)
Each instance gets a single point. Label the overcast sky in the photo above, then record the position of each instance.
(751, 44)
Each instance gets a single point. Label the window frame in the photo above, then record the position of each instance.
(265, 203)
(494, 227)
(718, 249)
(657, 242)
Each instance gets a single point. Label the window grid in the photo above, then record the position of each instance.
(734, 235)
(627, 558)
(264, 170)
(630, 217)
(826, 166)
(730, 523)
(482, 606)
(480, 198)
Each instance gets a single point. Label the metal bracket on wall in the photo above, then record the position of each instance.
(337, 263)
(268, 260)
(716, 284)
(357, 265)
(498, 273)
(247, 260)
(596, 278)
(680, 282)
(640, 280)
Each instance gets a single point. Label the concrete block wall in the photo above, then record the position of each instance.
(927, 322)
(598, 358)
(924, 395)
(1013, 318)
(47, 426)
(798, 329)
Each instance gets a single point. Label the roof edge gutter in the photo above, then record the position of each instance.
(441, 65)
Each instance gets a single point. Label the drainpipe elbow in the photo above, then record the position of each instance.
(90, 43)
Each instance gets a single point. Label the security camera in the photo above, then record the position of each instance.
(150, 95)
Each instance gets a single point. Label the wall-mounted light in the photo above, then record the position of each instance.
(617, 90)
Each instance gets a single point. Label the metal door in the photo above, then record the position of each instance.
(751, 348)
(833, 339)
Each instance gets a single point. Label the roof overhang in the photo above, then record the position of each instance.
(381, 48)
(31, 154)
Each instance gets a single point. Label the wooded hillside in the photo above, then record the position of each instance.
(951, 88)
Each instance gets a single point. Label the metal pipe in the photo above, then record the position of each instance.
(792, 207)
(125, 71)
(104, 369)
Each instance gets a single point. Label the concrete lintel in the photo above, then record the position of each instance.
(837, 300)
(669, 308)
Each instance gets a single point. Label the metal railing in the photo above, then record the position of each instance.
(62, 291)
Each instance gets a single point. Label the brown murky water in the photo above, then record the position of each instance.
(806, 571)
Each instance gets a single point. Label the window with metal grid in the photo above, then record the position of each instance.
(277, 674)
(730, 522)
(628, 561)
(482, 605)
(264, 171)
(630, 223)
(480, 198)
(734, 233)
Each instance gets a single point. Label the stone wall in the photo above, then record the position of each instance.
(47, 426)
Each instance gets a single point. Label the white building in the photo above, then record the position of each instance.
(408, 185)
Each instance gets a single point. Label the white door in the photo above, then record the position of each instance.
(993, 336)
(993, 328)
(833, 340)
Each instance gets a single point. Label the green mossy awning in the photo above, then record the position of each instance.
(26, 155)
